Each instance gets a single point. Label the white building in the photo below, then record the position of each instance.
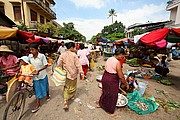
(174, 8)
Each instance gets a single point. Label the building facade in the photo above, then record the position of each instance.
(174, 7)
(30, 12)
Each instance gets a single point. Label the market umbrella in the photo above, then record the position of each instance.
(151, 38)
(6, 33)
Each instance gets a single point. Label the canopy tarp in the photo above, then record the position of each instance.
(151, 38)
(6, 33)
(176, 31)
(172, 38)
(23, 36)
(35, 40)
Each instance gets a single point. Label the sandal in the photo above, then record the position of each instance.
(48, 98)
(35, 109)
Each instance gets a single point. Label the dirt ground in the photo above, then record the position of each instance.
(88, 92)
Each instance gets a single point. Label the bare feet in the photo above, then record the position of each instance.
(97, 104)
(115, 116)
(65, 105)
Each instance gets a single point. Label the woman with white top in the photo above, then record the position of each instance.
(40, 81)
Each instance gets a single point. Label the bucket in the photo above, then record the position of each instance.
(142, 87)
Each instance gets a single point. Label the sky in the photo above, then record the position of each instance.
(90, 16)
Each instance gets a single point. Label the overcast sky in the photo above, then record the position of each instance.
(90, 16)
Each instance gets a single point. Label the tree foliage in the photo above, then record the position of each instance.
(114, 31)
(68, 32)
(112, 13)
(22, 26)
(137, 31)
(49, 28)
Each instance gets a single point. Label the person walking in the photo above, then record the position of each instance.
(69, 61)
(110, 82)
(62, 48)
(83, 57)
(40, 81)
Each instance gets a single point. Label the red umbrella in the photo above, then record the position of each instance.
(154, 36)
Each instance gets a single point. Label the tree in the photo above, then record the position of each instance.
(137, 31)
(49, 28)
(22, 26)
(68, 32)
(116, 27)
(112, 13)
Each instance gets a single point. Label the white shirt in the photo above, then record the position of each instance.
(39, 63)
(162, 65)
(82, 54)
(62, 49)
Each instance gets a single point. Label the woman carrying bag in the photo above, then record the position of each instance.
(70, 62)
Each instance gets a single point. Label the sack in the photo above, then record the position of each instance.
(59, 76)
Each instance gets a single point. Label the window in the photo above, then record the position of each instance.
(41, 19)
(33, 15)
(2, 9)
(17, 13)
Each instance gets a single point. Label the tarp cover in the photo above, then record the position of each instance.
(23, 36)
(154, 36)
(6, 33)
(172, 38)
(176, 31)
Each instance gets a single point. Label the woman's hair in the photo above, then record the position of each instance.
(119, 51)
(81, 46)
(34, 45)
(131, 75)
(70, 44)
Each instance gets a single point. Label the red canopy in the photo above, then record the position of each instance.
(23, 36)
(154, 36)
(176, 31)
(35, 40)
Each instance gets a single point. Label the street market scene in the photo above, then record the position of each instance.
(55, 65)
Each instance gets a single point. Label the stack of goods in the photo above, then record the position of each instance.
(133, 62)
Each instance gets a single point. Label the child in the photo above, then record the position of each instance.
(162, 67)
(132, 84)
(26, 71)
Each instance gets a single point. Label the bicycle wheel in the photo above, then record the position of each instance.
(15, 107)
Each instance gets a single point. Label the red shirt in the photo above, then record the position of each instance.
(122, 61)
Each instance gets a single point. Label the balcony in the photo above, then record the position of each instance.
(41, 6)
(172, 4)
(33, 24)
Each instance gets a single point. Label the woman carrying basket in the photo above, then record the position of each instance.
(70, 62)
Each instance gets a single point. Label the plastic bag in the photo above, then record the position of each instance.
(135, 98)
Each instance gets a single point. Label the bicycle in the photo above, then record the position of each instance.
(55, 61)
(16, 104)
